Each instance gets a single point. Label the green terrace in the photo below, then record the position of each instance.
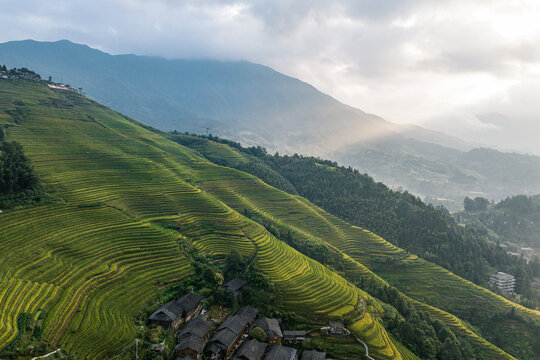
(95, 259)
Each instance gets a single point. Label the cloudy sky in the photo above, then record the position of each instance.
(468, 67)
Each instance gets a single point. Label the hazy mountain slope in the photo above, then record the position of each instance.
(443, 175)
(248, 101)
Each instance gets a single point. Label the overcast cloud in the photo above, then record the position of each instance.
(470, 68)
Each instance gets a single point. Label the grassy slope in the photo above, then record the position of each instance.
(422, 280)
(93, 268)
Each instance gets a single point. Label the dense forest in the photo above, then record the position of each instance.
(399, 217)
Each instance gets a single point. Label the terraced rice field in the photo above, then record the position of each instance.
(94, 260)
(406, 354)
(373, 334)
(92, 269)
(428, 282)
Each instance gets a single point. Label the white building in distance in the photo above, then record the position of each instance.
(503, 281)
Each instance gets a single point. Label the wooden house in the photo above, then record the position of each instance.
(175, 312)
(271, 328)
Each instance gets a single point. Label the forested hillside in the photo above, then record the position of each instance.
(19, 184)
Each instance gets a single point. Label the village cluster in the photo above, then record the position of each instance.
(231, 339)
(24, 73)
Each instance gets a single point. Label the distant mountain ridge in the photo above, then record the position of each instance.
(251, 102)
(256, 105)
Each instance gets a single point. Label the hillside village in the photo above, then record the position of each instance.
(26, 74)
(241, 336)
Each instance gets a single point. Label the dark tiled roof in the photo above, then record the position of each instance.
(213, 348)
(294, 333)
(192, 342)
(190, 301)
(197, 326)
(250, 350)
(168, 312)
(224, 337)
(278, 352)
(234, 323)
(235, 284)
(173, 309)
(313, 355)
(270, 326)
(249, 313)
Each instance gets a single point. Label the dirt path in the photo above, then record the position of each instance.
(47, 355)
(367, 350)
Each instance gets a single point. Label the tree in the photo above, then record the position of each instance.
(429, 349)
(450, 350)
(16, 173)
(258, 334)
(234, 264)
(478, 204)
(224, 297)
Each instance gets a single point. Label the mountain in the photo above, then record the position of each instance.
(256, 105)
(250, 102)
(137, 214)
